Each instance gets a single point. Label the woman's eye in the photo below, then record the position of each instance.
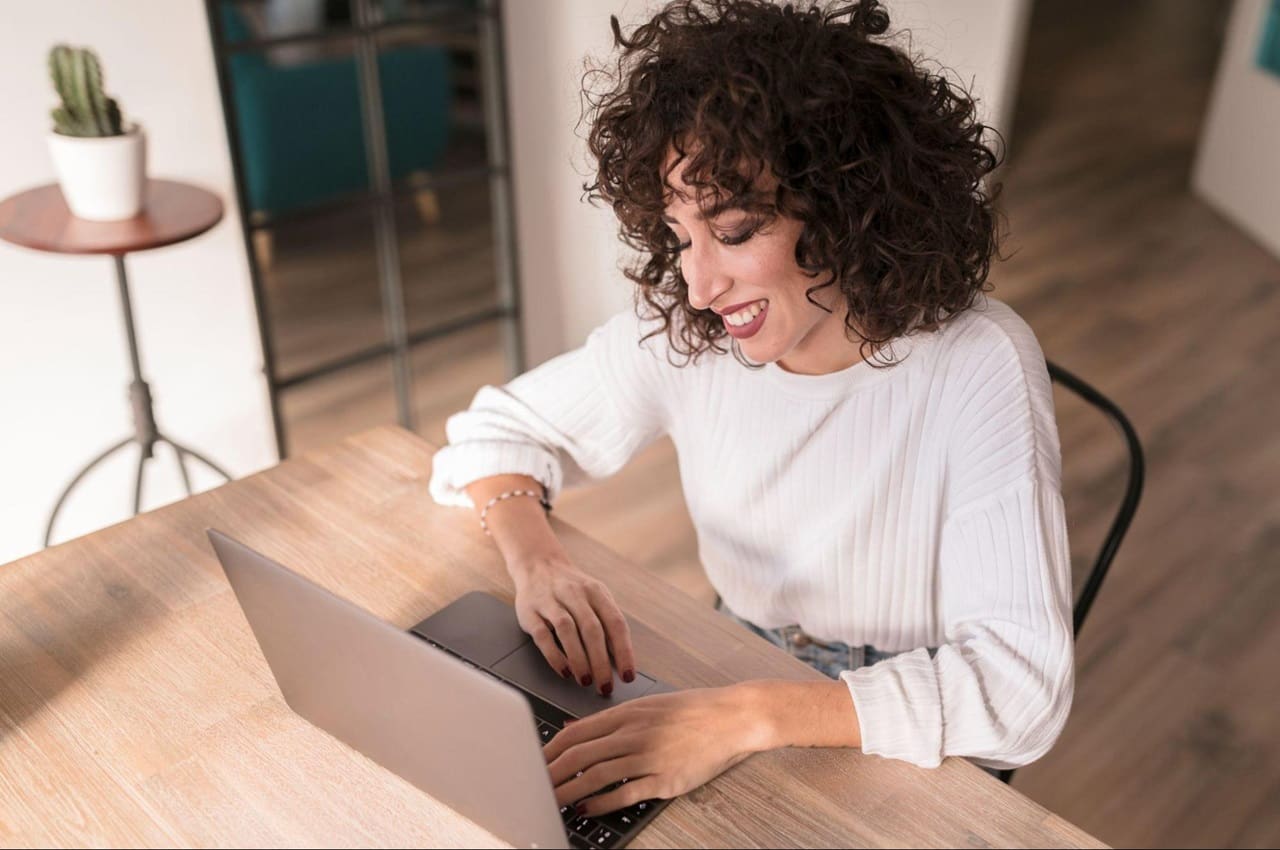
(736, 239)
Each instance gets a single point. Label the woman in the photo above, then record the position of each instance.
(874, 475)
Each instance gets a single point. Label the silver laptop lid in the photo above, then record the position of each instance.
(462, 737)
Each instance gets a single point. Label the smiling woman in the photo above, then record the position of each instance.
(736, 259)
(873, 165)
(874, 475)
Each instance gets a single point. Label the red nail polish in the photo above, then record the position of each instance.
(629, 676)
(565, 674)
(586, 680)
(581, 809)
(606, 689)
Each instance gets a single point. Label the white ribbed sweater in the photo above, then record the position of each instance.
(910, 507)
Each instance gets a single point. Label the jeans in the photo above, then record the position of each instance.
(830, 659)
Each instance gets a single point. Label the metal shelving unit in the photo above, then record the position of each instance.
(440, 23)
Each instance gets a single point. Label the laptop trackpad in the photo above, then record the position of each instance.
(477, 626)
(529, 669)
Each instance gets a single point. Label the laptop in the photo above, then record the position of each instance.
(459, 706)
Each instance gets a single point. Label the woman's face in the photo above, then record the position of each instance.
(751, 278)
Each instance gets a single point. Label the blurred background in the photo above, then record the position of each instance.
(402, 182)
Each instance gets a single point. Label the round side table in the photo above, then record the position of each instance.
(172, 212)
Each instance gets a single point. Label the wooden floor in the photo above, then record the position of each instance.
(1135, 284)
(1144, 290)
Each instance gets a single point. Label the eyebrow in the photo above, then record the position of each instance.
(736, 203)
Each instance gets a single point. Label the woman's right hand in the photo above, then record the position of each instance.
(556, 600)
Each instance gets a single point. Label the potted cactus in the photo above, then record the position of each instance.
(100, 163)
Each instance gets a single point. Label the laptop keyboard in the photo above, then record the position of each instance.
(605, 831)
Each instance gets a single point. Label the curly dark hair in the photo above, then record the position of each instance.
(880, 161)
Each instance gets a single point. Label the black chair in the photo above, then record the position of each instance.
(1128, 506)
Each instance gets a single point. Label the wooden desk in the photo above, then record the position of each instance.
(136, 709)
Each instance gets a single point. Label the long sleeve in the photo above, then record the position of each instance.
(999, 687)
(579, 416)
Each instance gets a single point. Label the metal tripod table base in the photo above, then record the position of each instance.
(180, 451)
(145, 432)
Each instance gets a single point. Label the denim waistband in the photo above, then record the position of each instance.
(828, 657)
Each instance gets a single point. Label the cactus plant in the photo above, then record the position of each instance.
(85, 109)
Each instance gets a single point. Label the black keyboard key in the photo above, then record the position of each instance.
(583, 826)
(546, 732)
(568, 813)
(641, 809)
(619, 821)
(579, 843)
(604, 837)
(544, 710)
(556, 727)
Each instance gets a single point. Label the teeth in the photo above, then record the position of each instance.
(745, 315)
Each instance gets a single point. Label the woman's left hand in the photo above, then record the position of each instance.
(663, 745)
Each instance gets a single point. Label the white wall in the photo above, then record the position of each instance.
(978, 43)
(1235, 169)
(63, 361)
(64, 366)
(568, 251)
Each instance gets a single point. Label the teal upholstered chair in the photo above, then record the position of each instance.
(300, 135)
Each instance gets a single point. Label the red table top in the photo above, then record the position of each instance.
(171, 212)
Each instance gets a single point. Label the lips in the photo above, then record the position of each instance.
(751, 327)
(733, 308)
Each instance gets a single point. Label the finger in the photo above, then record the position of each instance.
(566, 629)
(546, 643)
(580, 757)
(618, 632)
(598, 777)
(583, 730)
(634, 791)
(592, 634)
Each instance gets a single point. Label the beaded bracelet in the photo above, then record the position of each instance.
(541, 497)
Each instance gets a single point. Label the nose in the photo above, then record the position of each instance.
(704, 280)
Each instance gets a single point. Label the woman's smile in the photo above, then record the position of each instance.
(746, 321)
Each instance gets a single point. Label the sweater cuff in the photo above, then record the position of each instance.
(454, 467)
(899, 708)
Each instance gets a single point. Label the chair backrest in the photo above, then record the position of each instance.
(1133, 490)
(1128, 505)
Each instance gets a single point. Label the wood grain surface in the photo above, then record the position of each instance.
(171, 212)
(136, 708)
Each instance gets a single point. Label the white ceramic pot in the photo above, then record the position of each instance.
(102, 177)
